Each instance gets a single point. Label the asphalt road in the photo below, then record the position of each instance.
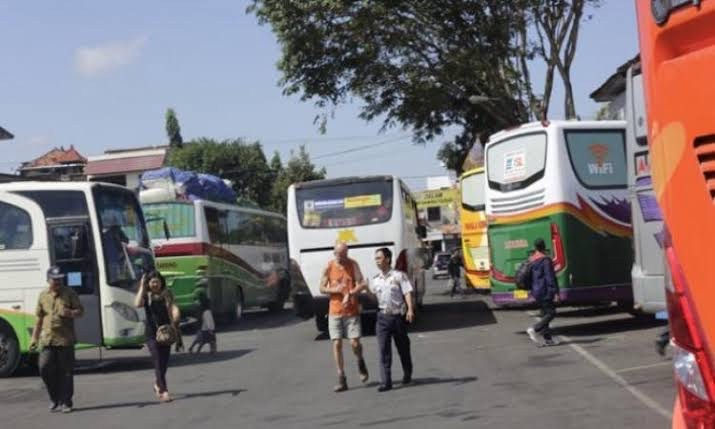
(474, 366)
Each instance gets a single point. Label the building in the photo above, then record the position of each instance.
(438, 207)
(57, 164)
(125, 167)
(613, 91)
(6, 135)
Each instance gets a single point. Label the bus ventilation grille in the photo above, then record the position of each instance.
(507, 205)
(705, 151)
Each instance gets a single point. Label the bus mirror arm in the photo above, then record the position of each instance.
(167, 234)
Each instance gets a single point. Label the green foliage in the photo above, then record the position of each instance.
(299, 168)
(173, 130)
(417, 63)
(242, 163)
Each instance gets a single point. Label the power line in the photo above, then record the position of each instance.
(359, 148)
(373, 157)
(320, 140)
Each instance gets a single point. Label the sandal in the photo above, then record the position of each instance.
(156, 391)
(342, 385)
(165, 397)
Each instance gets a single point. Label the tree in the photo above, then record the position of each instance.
(299, 168)
(556, 24)
(242, 163)
(421, 64)
(173, 130)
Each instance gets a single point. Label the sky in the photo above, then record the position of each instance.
(100, 75)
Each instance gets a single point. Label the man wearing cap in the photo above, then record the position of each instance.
(57, 307)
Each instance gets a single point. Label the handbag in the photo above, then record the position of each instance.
(166, 335)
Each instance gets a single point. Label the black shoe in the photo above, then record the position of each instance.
(364, 376)
(342, 385)
(407, 379)
(54, 407)
(660, 348)
(384, 387)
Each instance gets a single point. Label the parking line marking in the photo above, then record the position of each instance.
(637, 368)
(645, 399)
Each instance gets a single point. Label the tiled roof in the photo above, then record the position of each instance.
(123, 165)
(58, 157)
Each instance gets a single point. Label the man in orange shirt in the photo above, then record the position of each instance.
(341, 277)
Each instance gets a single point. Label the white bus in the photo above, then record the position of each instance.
(96, 234)
(242, 251)
(367, 213)
(649, 261)
(564, 182)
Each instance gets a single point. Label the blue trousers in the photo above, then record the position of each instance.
(389, 327)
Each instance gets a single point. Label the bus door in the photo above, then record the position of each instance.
(73, 250)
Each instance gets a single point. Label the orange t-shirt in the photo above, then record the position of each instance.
(342, 274)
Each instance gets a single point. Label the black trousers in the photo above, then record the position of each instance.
(160, 360)
(548, 313)
(389, 327)
(57, 371)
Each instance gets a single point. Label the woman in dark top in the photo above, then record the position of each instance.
(158, 304)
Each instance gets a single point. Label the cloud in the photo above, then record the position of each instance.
(96, 60)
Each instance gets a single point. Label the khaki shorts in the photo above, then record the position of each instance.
(344, 327)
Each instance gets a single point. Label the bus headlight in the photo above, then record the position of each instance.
(126, 311)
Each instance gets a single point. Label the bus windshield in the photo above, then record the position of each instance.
(344, 205)
(179, 218)
(598, 157)
(473, 192)
(517, 162)
(125, 242)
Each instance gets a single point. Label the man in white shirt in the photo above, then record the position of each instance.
(394, 294)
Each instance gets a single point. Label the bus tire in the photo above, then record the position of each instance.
(9, 350)
(236, 313)
(321, 322)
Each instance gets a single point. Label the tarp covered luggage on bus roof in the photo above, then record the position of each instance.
(171, 183)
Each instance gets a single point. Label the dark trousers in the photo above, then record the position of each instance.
(160, 360)
(663, 338)
(389, 327)
(204, 337)
(57, 371)
(548, 313)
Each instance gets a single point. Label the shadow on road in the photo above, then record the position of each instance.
(454, 314)
(124, 364)
(257, 320)
(605, 327)
(177, 397)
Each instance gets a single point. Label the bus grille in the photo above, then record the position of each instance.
(506, 205)
(705, 151)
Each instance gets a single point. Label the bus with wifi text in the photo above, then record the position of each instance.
(677, 44)
(96, 234)
(564, 182)
(648, 260)
(475, 250)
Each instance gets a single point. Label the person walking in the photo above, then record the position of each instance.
(545, 291)
(394, 294)
(162, 317)
(342, 281)
(454, 268)
(57, 307)
(207, 331)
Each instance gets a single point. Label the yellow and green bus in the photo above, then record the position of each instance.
(475, 248)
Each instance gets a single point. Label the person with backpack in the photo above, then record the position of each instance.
(454, 268)
(545, 291)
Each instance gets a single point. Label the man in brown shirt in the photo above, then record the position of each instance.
(57, 307)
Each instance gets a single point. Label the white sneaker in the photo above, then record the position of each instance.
(533, 335)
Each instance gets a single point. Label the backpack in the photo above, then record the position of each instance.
(522, 277)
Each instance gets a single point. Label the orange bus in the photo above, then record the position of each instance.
(677, 41)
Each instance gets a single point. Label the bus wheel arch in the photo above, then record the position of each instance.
(9, 350)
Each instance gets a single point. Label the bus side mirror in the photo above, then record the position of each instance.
(421, 231)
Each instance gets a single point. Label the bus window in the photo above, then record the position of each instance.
(598, 157)
(179, 217)
(517, 162)
(15, 228)
(345, 205)
(473, 192)
(125, 241)
(213, 222)
(59, 203)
